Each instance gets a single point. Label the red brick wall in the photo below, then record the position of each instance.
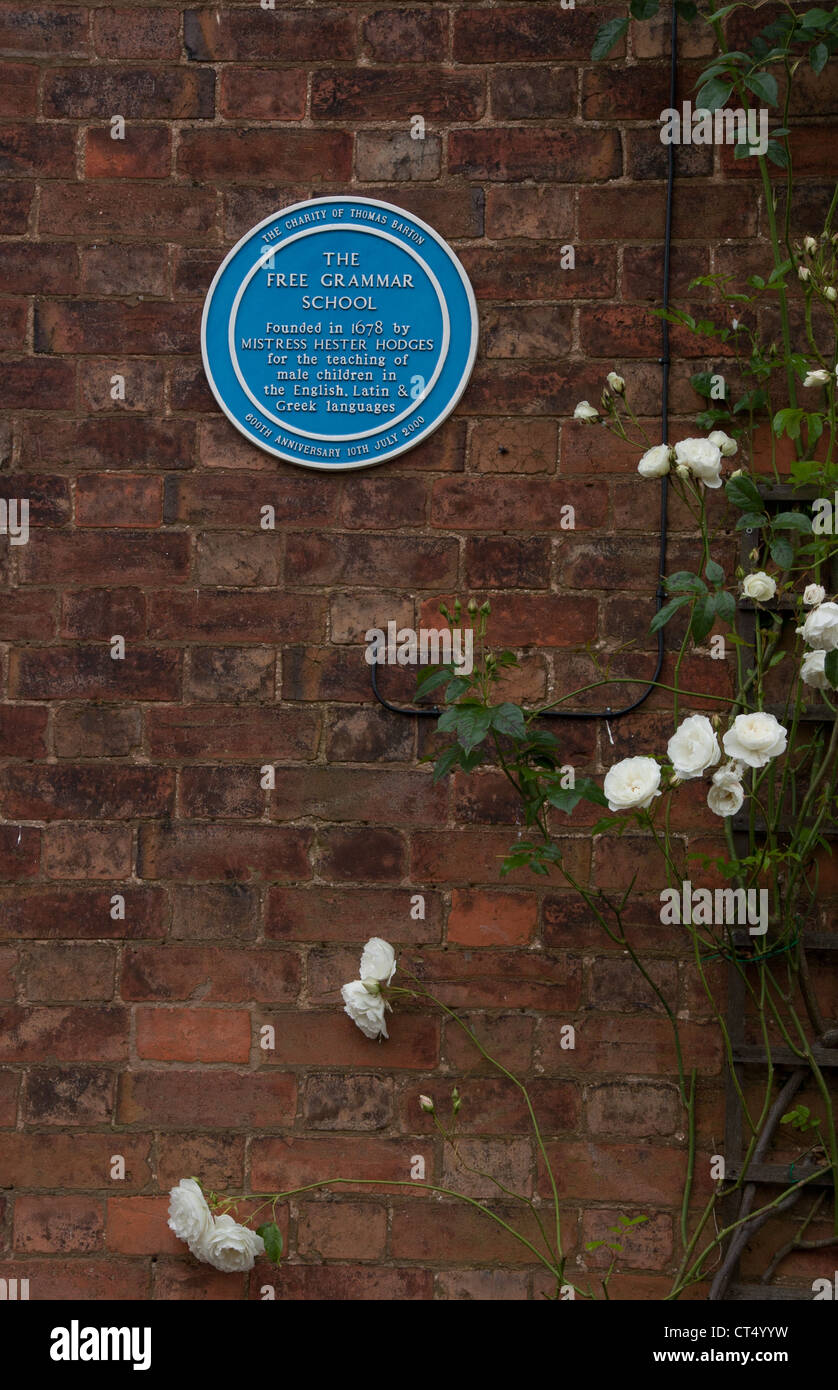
(141, 777)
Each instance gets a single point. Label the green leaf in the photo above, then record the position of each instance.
(609, 34)
(682, 581)
(743, 494)
(818, 57)
(713, 94)
(725, 606)
(456, 688)
(668, 610)
(427, 681)
(752, 521)
(830, 667)
(449, 758)
(687, 9)
(791, 521)
(644, 9)
(782, 552)
(713, 572)
(272, 1236)
(509, 719)
(764, 86)
(778, 154)
(703, 618)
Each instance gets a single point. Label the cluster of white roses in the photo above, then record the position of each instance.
(215, 1240)
(751, 741)
(363, 999)
(692, 458)
(820, 633)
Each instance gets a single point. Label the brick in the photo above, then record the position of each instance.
(219, 1158)
(507, 562)
(139, 1226)
(636, 1109)
(14, 316)
(331, 1039)
(236, 155)
(23, 381)
(208, 912)
(215, 852)
(193, 1035)
(69, 1095)
(231, 732)
(143, 385)
(84, 731)
(427, 1231)
(19, 96)
(371, 856)
(82, 1279)
(463, 979)
(32, 149)
(83, 1160)
(279, 1164)
(103, 499)
(220, 615)
(145, 93)
(87, 852)
(45, 268)
(240, 35)
(125, 269)
(8, 977)
(648, 1246)
(553, 621)
(136, 32)
(438, 859)
(322, 912)
(69, 1034)
(643, 1174)
(49, 673)
(534, 331)
(262, 94)
(405, 35)
(242, 1100)
(113, 442)
(332, 1101)
(517, 33)
(114, 557)
(631, 1046)
(467, 504)
(512, 273)
(9, 1084)
(145, 153)
(485, 1285)
(508, 1161)
(58, 1225)
(15, 207)
(58, 971)
(367, 94)
(185, 1279)
(342, 1230)
(238, 560)
(352, 794)
(231, 673)
(182, 213)
(367, 736)
(386, 501)
(71, 793)
(509, 1036)
(231, 976)
(514, 153)
(493, 1105)
(235, 499)
(20, 852)
(396, 155)
(81, 914)
(537, 214)
(385, 560)
(60, 29)
(491, 919)
(91, 325)
(350, 1283)
(532, 93)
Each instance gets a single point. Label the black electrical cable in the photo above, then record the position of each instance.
(664, 360)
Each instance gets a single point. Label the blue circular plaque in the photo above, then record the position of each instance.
(339, 332)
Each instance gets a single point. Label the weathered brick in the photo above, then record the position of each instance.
(262, 94)
(144, 153)
(22, 731)
(267, 975)
(192, 1035)
(139, 93)
(20, 852)
(72, 793)
(415, 35)
(58, 1225)
(240, 34)
(88, 852)
(517, 33)
(136, 32)
(229, 732)
(82, 731)
(321, 912)
(51, 673)
(382, 155)
(515, 153)
(31, 149)
(114, 557)
(69, 1095)
(367, 94)
(182, 213)
(81, 914)
(69, 1034)
(237, 155)
(61, 972)
(223, 852)
(91, 325)
(61, 29)
(173, 1098)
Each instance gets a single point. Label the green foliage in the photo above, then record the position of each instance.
(272, 1236)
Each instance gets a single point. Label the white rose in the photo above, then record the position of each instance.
(365, 1009)
(755, 739)
(228, 1246)
(727, 794)
(813, 594)
(655, 462)
(817, 378)
(804, 272)
(585, 411)
(632, 784)
(703, 459)
(189, 1216)
(724, 443)
(812, 671)
(759, 586)
(693, 747)
(378, 961)
(831, 293)
(616, 383)
(810, 245)
(820, 629)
